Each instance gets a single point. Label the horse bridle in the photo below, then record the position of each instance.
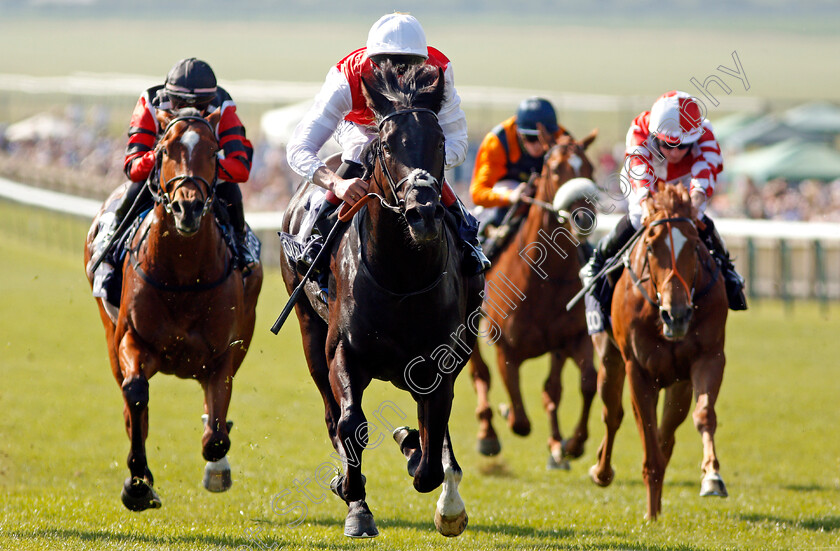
(159, 193)
(399, 208)
(674, 272)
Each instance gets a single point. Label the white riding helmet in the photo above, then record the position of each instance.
(397, 33)
(676, 118)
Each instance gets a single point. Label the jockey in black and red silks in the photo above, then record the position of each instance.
(192, 83)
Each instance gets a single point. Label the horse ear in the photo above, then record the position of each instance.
(377, 102)
(163, 117)
(213, 118)
(587, 141)
(547, 141)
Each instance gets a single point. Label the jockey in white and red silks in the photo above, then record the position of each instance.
(671, 143)
(340, 111)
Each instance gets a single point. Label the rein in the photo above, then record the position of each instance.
(637, 281)
(197, 287)
(158, 192)
(399, 208)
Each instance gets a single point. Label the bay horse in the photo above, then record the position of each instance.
(184, 310)
(399, 299)
(668, 319)
(527, 288)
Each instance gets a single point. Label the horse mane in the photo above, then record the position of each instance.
(672, 199)
(188, 112)
(391, 87)
(404, 87)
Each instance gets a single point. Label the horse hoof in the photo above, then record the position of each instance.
(602, 482)
(558, 464)
(489, 446)
(217, 476)
(451, 526)
(138, 495)
(359, 522)
(572, 449)
(713, 485)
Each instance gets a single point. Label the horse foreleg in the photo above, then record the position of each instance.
(488, 440)
(706, 377)
(674, 411)
(517, 418)
(610, 387)
(348, 385)
(451, 513)
(137, 493)
(215, 440)
(583, 357)
(644, 394)
(552, 393)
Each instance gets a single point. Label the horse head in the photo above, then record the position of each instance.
(670, 242)
(564, 160)
(409, 154)
(186, 166)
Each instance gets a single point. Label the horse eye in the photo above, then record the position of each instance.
(386, 148)
(441, 145)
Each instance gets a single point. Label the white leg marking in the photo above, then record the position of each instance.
(450, 502)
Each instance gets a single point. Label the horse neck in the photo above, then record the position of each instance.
(396, 262)
(185, 260)
(541, 225)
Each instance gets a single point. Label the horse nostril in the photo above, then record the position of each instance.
(177, 208)
(439, 212)
(413, 216)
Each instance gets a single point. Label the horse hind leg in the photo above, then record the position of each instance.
(583, 357)
(488, 440)
(552, 392)
(217, 474)
(610, 387)
(450, 514)
(516, 416)
(216, 440)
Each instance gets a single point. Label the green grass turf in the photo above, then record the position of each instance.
(63, 447)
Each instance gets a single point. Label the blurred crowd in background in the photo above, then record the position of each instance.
(77, 154)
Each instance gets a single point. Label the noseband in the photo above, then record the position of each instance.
(673, 272)
(399, 208)
(159, 193)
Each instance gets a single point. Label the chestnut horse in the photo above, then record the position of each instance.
(527, 289)
(184, 310)
(398, 300)
(668, 320)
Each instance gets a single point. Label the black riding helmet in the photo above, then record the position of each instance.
(191, 83)
(536, 110)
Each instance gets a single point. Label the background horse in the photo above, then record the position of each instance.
(399, 301)
(668, 320)
(526, 298)
(184, 310)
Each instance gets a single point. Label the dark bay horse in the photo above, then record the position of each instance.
(184, 310)
(527, 289)
(668, 320)
(398, 300)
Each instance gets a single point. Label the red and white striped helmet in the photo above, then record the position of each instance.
(676, 118)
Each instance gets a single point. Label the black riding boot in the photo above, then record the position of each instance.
(733, 280)
(475, 262)
(231, 197)
(325, 220)
(608, 247)
(121, 210)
